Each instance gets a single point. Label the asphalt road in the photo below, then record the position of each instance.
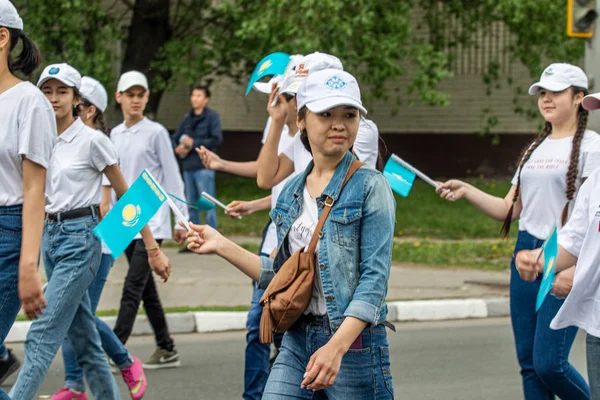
(463, 360)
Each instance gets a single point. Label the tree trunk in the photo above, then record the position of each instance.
(148, 32)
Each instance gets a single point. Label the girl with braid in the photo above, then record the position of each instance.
(542, 193)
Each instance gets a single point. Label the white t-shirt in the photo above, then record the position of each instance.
(74, 178)
(543, 181)
(580, 237)
(147, 145)
(366, 147)
(270, 242)
(299, 237)
(27, 129)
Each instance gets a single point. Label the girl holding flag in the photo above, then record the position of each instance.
(549, 175)
(94, 101)
(70, 250)
(578, 244)
(27, 135)
(338, 347)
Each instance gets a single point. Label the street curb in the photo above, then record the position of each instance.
(398, 311)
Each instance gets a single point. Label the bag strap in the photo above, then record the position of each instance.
(328, 204)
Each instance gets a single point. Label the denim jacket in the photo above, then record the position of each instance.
(355, 249)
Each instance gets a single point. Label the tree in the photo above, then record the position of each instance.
(375, 39)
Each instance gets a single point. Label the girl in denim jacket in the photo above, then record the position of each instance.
(339, 346)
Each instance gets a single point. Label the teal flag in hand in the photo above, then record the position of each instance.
(401, 179)
(130, 214)
(202, 204)
(273, 64)
(550, 253)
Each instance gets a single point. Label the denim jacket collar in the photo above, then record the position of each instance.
(334, 187)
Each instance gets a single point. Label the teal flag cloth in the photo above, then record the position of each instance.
(202, 204)
(130, 214)
(550, 253)
(273, 64)
(401, 179)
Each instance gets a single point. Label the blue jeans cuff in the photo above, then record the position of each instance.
(77, 386)
(125, 364)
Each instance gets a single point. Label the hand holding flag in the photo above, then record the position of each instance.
(401, 175)
(550, 249)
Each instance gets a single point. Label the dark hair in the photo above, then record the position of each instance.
(304, 138)
(582, 118)
(29, 58)
(98, 119)
(204, 88)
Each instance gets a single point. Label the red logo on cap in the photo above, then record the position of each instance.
(300, 71)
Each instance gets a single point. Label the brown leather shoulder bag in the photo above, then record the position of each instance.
(290, 291)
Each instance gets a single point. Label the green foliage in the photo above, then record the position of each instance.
(82, 33)
(380, 41)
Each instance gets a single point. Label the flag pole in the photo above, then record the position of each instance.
(415, 171)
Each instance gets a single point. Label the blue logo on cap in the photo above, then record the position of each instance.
(54, 71)
(335, 82)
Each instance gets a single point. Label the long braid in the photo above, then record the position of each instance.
(573, 171)
(526, 155)
(99, 122)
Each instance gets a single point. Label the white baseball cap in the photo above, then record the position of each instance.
(61, 72)
(558, 77)
(93, 91)
(310, 63)
(324, 90)
(591, 101)
(131, 79)
(9, 17)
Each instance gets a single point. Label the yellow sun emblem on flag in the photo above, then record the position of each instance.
(549, 267)
(264, 66)
(131, 215)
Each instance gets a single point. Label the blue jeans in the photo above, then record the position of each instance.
(592, 352)
(256, 369)
(196, 182)
(110, 342)
(71, 257)
(364, 373)
(10, 253)
(543, 353)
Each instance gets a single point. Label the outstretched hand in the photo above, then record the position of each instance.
(203, 239)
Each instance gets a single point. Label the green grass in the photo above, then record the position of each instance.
(422, 214)
(489, 255)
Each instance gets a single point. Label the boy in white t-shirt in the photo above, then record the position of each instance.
(578, 244)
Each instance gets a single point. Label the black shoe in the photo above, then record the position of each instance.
(8, 366)
(184, 250)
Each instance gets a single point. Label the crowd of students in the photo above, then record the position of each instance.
(62, 170)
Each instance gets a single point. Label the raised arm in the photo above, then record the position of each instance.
(212, 161)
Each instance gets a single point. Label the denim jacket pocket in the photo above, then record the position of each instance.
(345, 223)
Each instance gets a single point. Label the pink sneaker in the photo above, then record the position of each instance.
(135, 379)
(68, 394)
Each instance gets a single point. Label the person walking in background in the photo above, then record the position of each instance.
(144, 144)
(201, 126)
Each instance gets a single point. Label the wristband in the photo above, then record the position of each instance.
(155, 254)
(156, 247)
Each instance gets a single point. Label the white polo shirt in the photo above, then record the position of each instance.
(270, 242)
(580, 237)
(27, 129)
(147, 145)
(74, 178)
(366, 147)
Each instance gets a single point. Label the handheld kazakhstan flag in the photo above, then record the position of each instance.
(550, 249)
(400, 178)
(130, 214)
(202, 204)
(273, 64)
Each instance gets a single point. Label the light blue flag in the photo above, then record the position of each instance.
(202, 204)
(550, 253)
(401, 179)
(130, 214)
(273, 64)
